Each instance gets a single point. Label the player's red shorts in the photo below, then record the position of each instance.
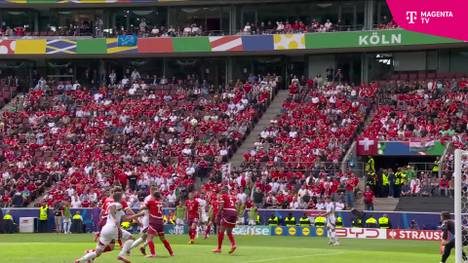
(193, 221)
(156, 227)
(216, 220)
(229, 218)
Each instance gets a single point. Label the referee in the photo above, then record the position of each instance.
(448, 236)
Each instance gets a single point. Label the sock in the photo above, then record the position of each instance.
(168, 247)
(231, 238)
(107, 249)
(136, 243)
(220, 239)
(126, 247)
(333, 236)
(151, 247)
(193, 232)
(89, 256)
(207, 231)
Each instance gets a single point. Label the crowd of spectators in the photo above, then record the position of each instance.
(298, 26)
(422, 111)
(315, 126)
(75, 29)
(130, 133)
(144, 29)
(387, 23)
(294, 163)
(87, 29)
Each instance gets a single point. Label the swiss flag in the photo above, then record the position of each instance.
(366, 146)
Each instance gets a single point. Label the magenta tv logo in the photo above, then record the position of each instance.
(411, 16)
(445, 18)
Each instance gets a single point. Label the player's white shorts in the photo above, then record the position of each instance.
(179, 221)
(252, 222)
(110, 232)
(204, 218)
(331, 222)
(144, 224)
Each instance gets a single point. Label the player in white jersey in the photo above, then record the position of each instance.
(144, 221)
(203, 215)
(331, 221)
(111, 231)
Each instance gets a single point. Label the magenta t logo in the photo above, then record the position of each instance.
(411, 16)
(447, 18)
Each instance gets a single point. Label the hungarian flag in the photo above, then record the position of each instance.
(366, 146)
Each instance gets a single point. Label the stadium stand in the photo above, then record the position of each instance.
(87, 139)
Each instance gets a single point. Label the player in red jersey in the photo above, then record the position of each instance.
(156, 223)
(228, 219)
(193, 215)
(213, 219)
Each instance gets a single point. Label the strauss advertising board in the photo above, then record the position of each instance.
(405, 234)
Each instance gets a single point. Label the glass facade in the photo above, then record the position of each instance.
(130, 19)
(211, 69)
(382, 14)
(214, 19)
(349, 13)
(17, 18)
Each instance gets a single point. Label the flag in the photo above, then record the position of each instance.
(289, 41)
(113, 47)
(226, 43)
(366, 146)
(127, 40)
(61, 46)
(420, 146)
(91, 46)
(258, 43)
(430, 147)
(7, 47)
(155, 45)
(191, 44)
(30, 46)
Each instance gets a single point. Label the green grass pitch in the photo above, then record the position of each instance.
(59, 248)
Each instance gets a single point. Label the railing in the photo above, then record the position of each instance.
(443, 161)
(108, 33)
(329, 167)
(399, 219)
(422, 166)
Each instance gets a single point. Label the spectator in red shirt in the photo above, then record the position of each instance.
(369, 199)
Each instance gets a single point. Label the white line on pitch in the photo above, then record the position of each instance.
(302, 256)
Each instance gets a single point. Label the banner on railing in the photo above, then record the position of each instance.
(127, 40)
(409, 234)
(361, 233)
(399, 220)
(298, 231)
(251, 230)
(410, 148)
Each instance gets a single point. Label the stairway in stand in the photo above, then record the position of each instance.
(273, 110)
